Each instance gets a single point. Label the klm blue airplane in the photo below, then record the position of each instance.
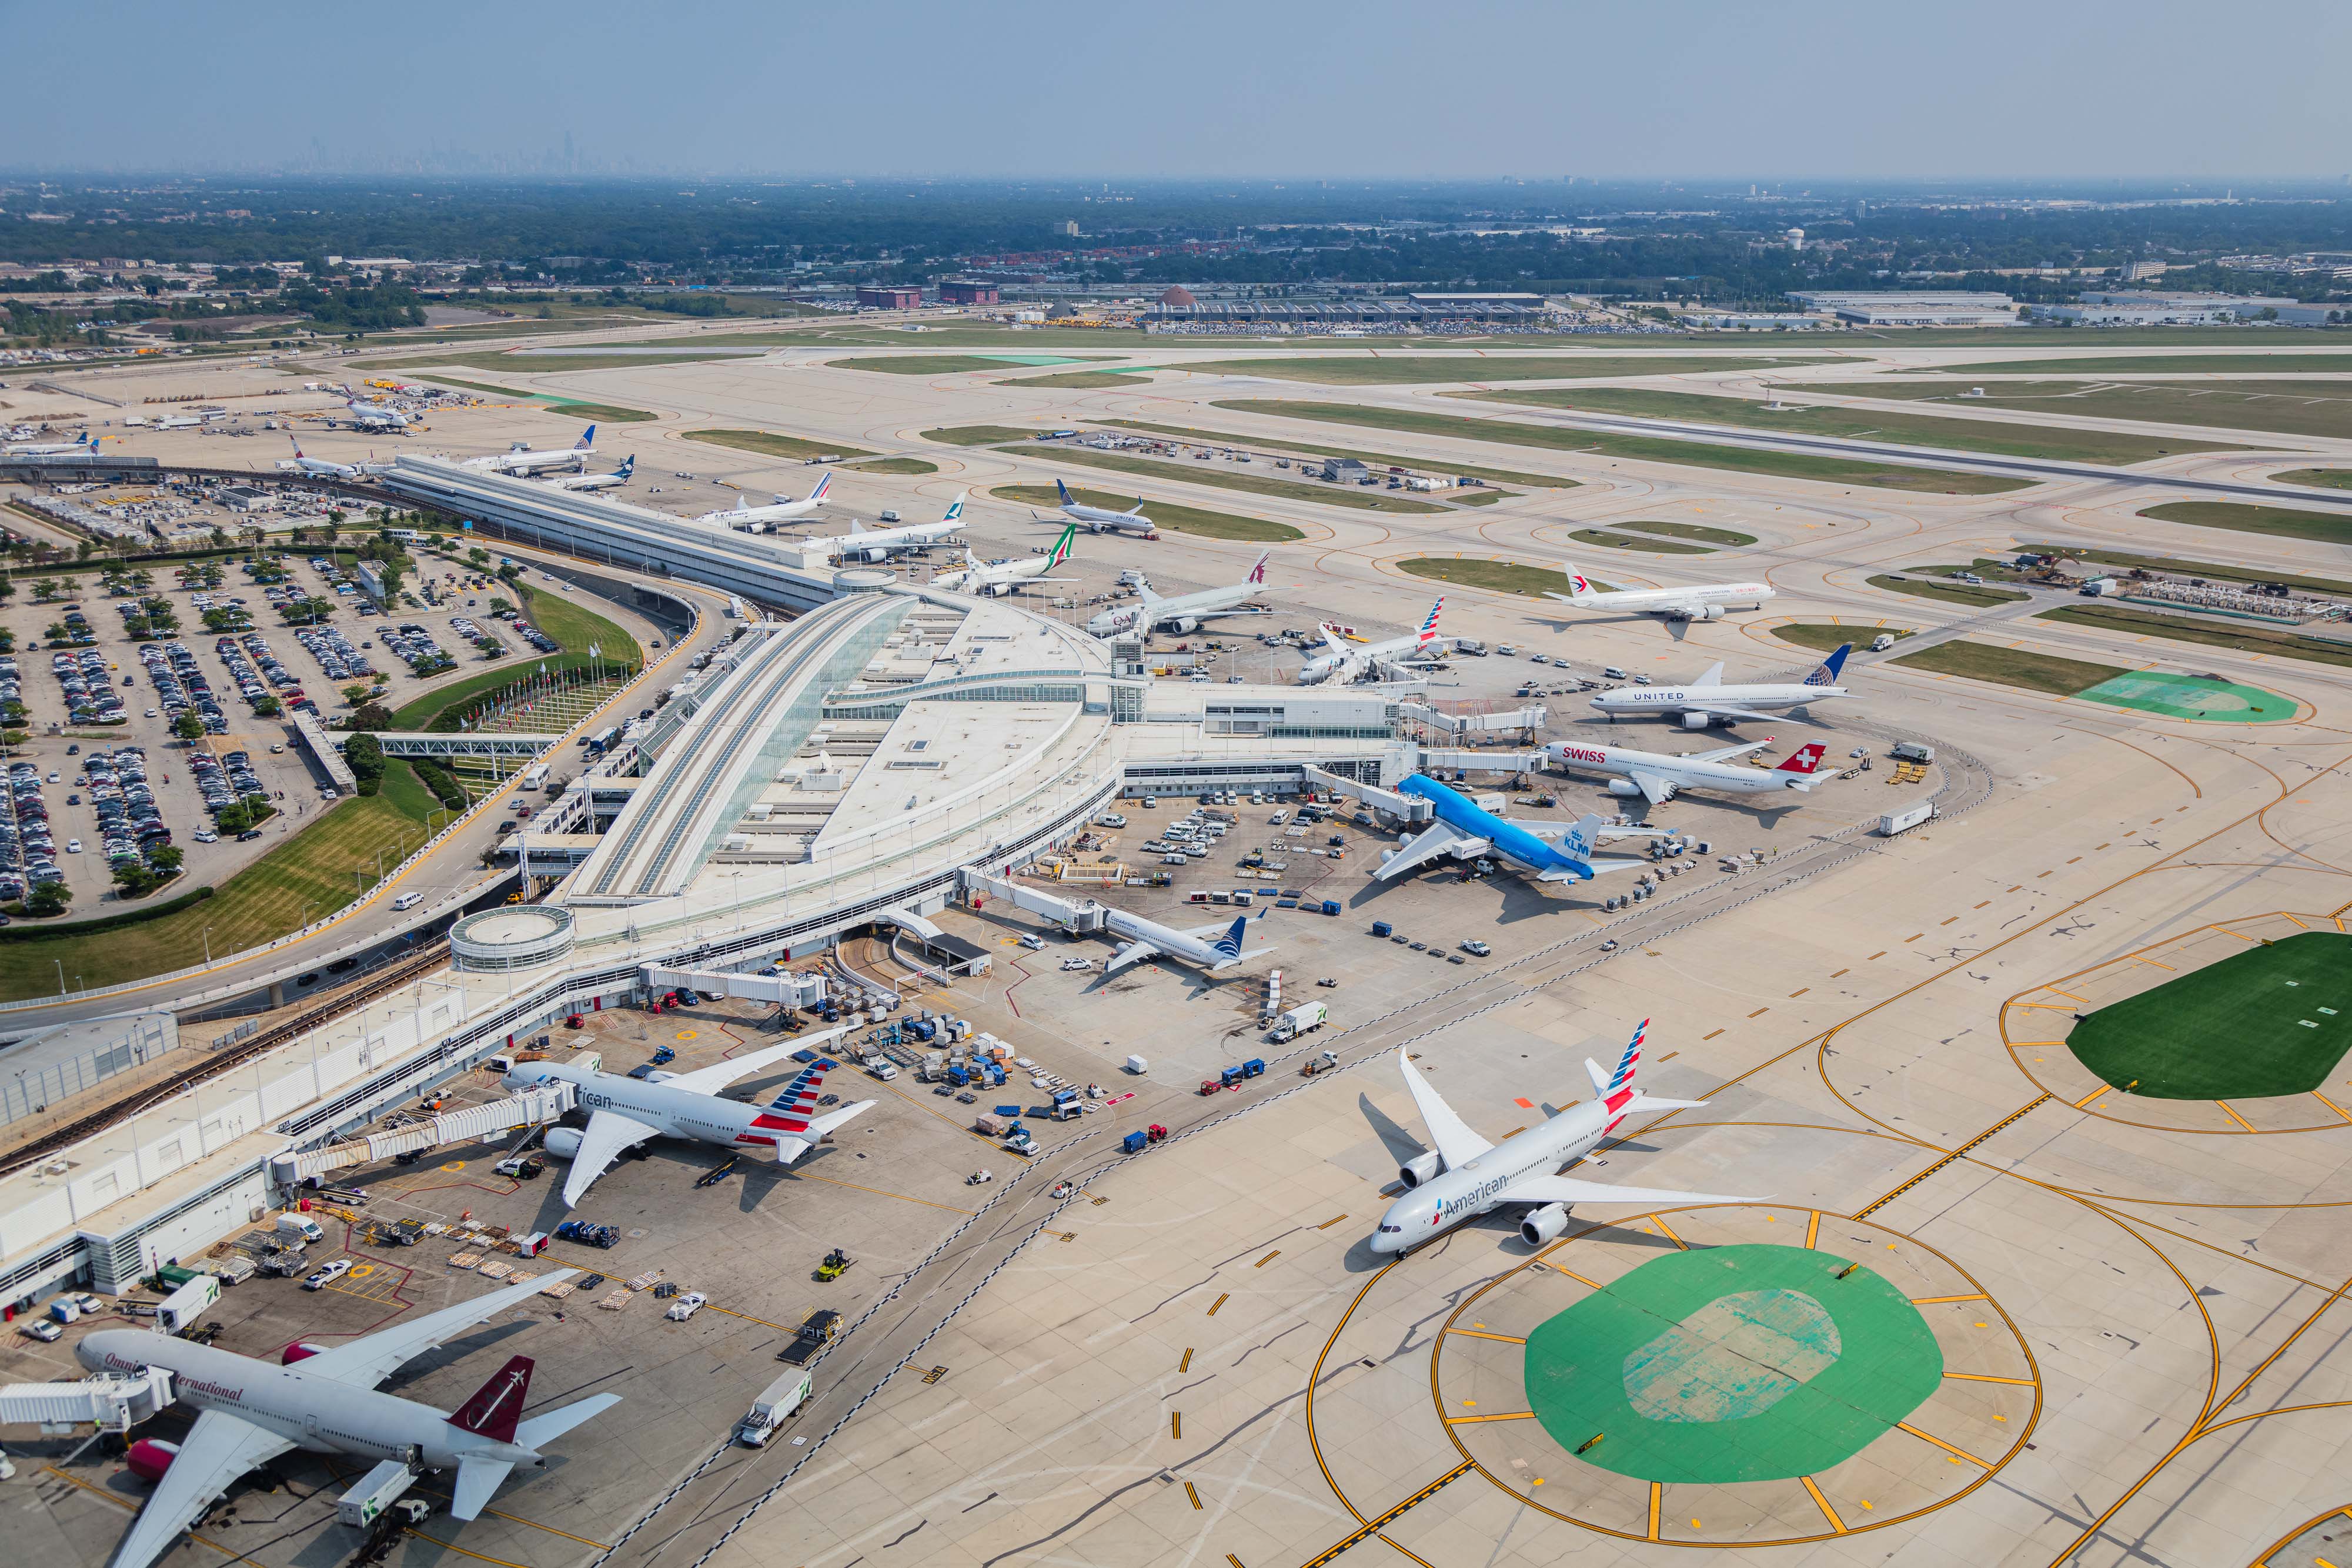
(1464, 832)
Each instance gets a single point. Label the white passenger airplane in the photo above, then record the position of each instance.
(1098, 519)
(1467, 831)
(1186, 610)
(579, 482)
(1659, 776)
(625, 1112)
(743, 515)
(861, 543)
(1148, 939)
(379, 417)
(250, 1412)
(320, 468)
(1001, 577)
(521, 459)
(87, 445)
(1465, 1177)
(1707, 701)
(1703, 601)
(1346, 663)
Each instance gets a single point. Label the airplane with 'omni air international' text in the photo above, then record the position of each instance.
(1466, 831)
(1465, 1177)
(1702, 601)
(1185, 611)
(1660, 775)
(251, 1411)
(743, 515)
(1098, 519)
(1707, 701)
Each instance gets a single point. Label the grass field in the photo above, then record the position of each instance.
(770, 443)
(1631, 541)
(1376, 459)
(1082, 380)
(1164, 514)
(311, 871)
(922, 364)
(981, 434)
(2289, 523)
(601, 413)
(1504, 575)
(500, 360)
(2327, 478)
(1822, 419)
(2270, 1020)
(1948, 593)
(1354, 497)
(1694, 531)
(1639, 448)
(2011, 667)
(2180, 629)
(562, 617)
(1388, 370)
(893, 465)
(1823, 636)
(2193, 568)
(2289, 408)
(1480, 497)
(2250, 361)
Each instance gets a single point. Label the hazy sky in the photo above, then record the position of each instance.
(1804, 88)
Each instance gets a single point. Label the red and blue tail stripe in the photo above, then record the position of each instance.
(789, 1112)
(1620, 1085)
(1429, 626)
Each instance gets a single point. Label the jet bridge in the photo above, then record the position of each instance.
(109, 1403)
(1408, 808)
(1071, 918)
(472, 1125)
(793, 991)
(1478, 761)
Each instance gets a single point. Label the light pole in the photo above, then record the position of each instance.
(208, 945)
(60, 963)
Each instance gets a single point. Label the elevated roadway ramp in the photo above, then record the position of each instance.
(462, 743)
(325, 752)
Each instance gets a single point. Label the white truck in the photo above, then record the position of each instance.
(1299, 1020)
(181, 1310)
(881, 1068)
(2101, 588)
(1911, 751)
(299, 1230)
(1909, 818)
(783, 1400)
(533, 776)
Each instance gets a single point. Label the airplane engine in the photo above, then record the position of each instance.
(149, 1457)
(1623, 788)
(997, 589)
(1544, 1225)
(564, 1142)
(870, 557)
(1420, 1168)
(1697, 720)
(1710, 612)
(1183, 624)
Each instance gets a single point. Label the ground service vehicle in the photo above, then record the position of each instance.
(780, 1401)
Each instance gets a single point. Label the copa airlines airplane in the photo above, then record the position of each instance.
(625, 1112)
(1658, 777)
(251, 1412)
(524, 461)
(1465, 1177)
(861, 543)
(1150, 939)
(1706, 602)
(1186, 610)
(88, 444)
(743, 514)
(1098, 519)
(319, 467)
(1706, 700)
(1001, 577)
(613, 481)
(1465, 831)
(1346, 663)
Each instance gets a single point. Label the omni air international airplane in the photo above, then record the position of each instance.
(1465, 1177)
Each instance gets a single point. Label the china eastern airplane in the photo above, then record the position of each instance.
(1660, 775)
(1707, 701)
(743, 515)
(1150, 939)
(1705, 602)
(1001, 577)
(1465, 1177)
(1186, 610)
(326, 1403)
(1344, 662)
(1098, 519)
(320, 468)
(1464, 830)
(579, 482)
(522, 460)
(861, 543)
(625, 1112)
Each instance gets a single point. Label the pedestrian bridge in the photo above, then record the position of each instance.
(464, 743)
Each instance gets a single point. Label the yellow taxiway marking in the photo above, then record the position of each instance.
(1670, 1234)
(2084, 1103)
(1193, 1492)
(1268, 1259)
(1947, 1448)
(1176, 1422)
(1824, 1503)
(1218, 1302)
(2233, 1115)
(2329, 1103)
(1588, 1284)
(1505, 1416)
(1330, 1222)
(1813, 1227)
(1931, 1300)
(1186, 1365)
(1986, 1377)
(1480, 1333)
(1656, 1496)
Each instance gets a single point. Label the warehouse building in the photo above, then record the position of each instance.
(967, 292)
(871, 298)
(1874, 308)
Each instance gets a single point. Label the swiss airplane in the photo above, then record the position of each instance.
(1346, 663)
(1704, 602)
(625, 1112)
(1465, 1177)
(1098, 519)
(1659, 776)
(1465, 831)
(252, 1411)
(1707, 701)
(743, 515)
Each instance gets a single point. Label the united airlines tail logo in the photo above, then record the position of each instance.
(1068, 499)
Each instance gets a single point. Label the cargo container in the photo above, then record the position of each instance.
(377, 1490)
(183, 1307)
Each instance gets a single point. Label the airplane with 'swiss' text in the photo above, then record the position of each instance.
(1659, 776)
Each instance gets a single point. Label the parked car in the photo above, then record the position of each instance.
(320, 1278)
(685, 1306)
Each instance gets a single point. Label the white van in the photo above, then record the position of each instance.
(408, 901)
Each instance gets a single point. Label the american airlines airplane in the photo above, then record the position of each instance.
(1150, 939)
(524, 461)
(1465, 831)
(1346, 663)
(861, 543)
(320, 468)
(251, 1412)
(86, 444)
(1001, 577)
(1658, 776)
(1705, 602)
(625, 1112)
(1465, 1177)
(743, 515)
(613, 481)
(1707, 701)
(1098, 519)
(1186, 610)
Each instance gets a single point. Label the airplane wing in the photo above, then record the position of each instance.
(1437, 839)
(1722, 711)
(1133, 953)
(1655, 789)
(710, 1080)
(1598, 868)
(364, 1363)
(1331, 640)
(608, 1134)
(217, 1449)
(1548, 830)
(792, 1148)
(1713, 678)
(1567, 1189)
(1458, 1145)
(1725, 754)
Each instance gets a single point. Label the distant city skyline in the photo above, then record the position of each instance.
(1820, 89)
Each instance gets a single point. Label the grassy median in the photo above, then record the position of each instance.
(1163, 514)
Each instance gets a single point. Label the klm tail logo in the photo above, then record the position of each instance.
(1578, 845)
(1825, 673)
(1229, 946)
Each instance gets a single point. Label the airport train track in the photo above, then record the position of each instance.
(217, 1062)
(978, 1253)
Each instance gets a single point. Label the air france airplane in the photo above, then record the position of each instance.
(1465, 1177)
(1464, 832)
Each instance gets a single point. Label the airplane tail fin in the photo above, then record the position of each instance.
(1619, 1087)
(496, 1408)
(955, 507)
(587, 440)
(1068, 499)
(540, 1431)
(1257, 572)
(1804, 759)
(628, 464)
(1429, 625)
(792, 1148)
(1062, 547)
(1579, 589)
(478, 1482)
(1578, 842)
(1825, 673)
(1229, 946)
(823, 485)
(802, 1092)
(1136, 509)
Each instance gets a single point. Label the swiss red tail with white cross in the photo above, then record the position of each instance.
(1804, 759)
